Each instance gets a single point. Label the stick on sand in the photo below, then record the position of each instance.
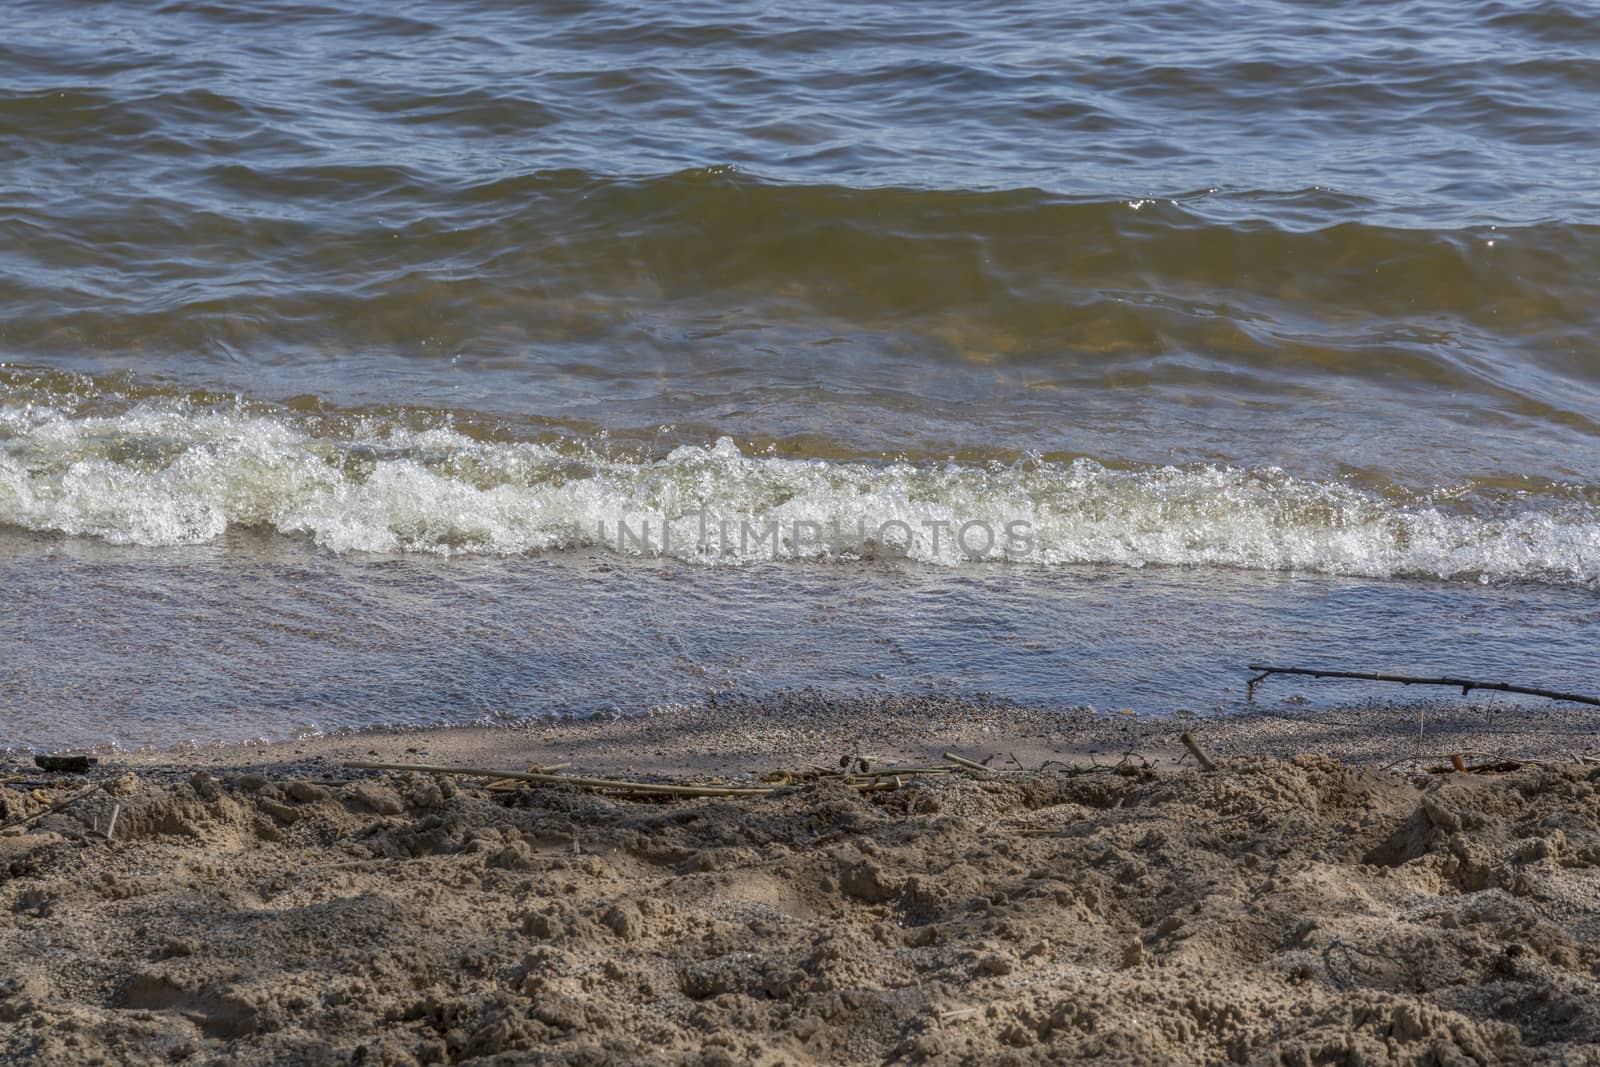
(1466, 685)
(58, 806)
(971, 765)
(610, 784)
(1194, 750)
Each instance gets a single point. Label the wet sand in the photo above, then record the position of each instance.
(1319, 898)
(791, 731)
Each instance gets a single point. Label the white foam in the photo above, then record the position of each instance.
(166, 476)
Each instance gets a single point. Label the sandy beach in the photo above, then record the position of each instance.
(705, 534)
(1096, 897)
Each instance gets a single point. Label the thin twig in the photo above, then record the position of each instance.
(58, 806)
(1463, 684)
(890, 772)
(111, 827)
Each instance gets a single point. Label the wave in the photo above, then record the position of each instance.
(1256, 294)
(168, 474)
(860, 251)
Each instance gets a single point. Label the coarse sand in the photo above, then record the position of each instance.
(1319, 898)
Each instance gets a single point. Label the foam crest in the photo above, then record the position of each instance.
(164, 475)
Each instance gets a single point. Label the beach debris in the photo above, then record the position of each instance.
(515, 779)
(1459, 766)
(1463, 684)
(61, 805)
(971, 765)
(431, 768)
(535, 768)
(1205, 761)
(1493, 763)
(109, 833)
(66, 762)
(893, 771)
(884, 778)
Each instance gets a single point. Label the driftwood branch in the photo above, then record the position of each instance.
(1465, 685)
(971, 765)
(1195, 750)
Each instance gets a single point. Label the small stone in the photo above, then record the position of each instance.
(67, 763)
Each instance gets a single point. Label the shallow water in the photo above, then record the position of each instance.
(256, 636)
(1279, 321)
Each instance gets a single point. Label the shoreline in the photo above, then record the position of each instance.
(1299, 903)
(737, 735)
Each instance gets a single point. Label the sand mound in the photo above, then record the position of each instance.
(1294, 912)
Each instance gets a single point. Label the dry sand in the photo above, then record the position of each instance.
(1300, 905)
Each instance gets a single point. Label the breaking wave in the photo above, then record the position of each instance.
(164, 474)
